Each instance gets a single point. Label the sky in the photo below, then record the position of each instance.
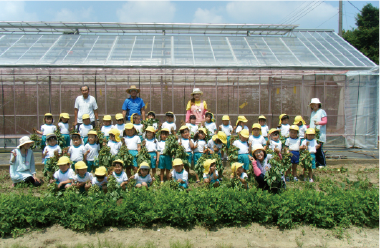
(306, 14)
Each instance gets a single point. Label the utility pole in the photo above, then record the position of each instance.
(340, 17)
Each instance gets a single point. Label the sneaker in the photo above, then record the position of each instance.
(320, 167)
(311, 180)
(295, 179)
(287, 179)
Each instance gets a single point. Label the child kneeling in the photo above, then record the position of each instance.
(65, 175)
(100, 179)
(142, 177)
(179, 174)
(82, 178)
(210, 174)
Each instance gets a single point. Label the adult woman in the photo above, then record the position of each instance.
(318, 119)
(22, 167)
(196, 107)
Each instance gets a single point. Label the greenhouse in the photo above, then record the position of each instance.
(243, 69)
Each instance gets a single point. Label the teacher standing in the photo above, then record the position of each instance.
(196, 107)
(318, 119)
(133, 104)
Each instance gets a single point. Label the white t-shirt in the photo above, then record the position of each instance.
(122, 177)
(211, 177)
(115, 146)
(106, 129)
(317, 116)
(120, 128)
(96, 182)
(284, 129)
(94, 151)
(201, 146)
(257, 140)
(140, 180)
(151, 145)
(243, 146)
(161, 146)
(51, 150)
(211, 127)
(239, 128)
(87, 178)
(85, 106)
(84, 129)
(275, 144)
(302, 131)
(169, 126)
(293, 144)
(185, 143)
(182, 175)
(132, 142)
(64, 128)
(138, 128)
(61, 177)
(243, 175)
(264, 130)
(76, 153)
(193, 128)
(47, 129)
(211, 144)
(312, 145)
(227, 129)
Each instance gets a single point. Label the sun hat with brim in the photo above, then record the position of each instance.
(144, 165)
(133, 87)
(150, 129)
(101, 171)
(184, 127)
(207, 164)
(177, 162)
(197, 91)
(235, 166)
(244, 133)
(225, 118)
(262, 117)
(242, 119)
(214, 137)
(256, 147)
(48, 115)
(294, 127)
(203, 130)
(315, 100)
(51, 135)
(115, 132)
(85, 116)
(63, 160)
(310, 131)
(169, 113)
(297, 120)
(119, 117)
(80, 165)
(165, 130)
(107, 118)
(93, 133)
(272, 130)
(129, 126)
(65, 115)
(24, 140)
(282, 116)
(222, 137)
(256, 125)
(118, 161)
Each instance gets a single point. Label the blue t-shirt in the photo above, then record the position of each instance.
(133, 106)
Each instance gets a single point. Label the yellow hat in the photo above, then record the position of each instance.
(129, 126)
(119, 116)
(115, 132)
(65, 115)
(169, 113)
(63, 160)
(93, 132)
(107, 118)
(150, 129)
(48, 115)
(281, 116)
(244, 133)
(118, 161)
(257, 147)
(225, 118)
(165, 130)
(101, 171)
(80, 165)
(242, 119)
(310, 131)
(273, 130)
(256, 125)
(144, 165)
(133, 87)
(204, 130)
(207, 164)
(131, 118)
(297, 120)
(86, 116)
(214, 137)
(183, 128)
(235, 166)
(294, 127)
(177, 162)
(223, 137)
(262, 117)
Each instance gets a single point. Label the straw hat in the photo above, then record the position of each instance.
(197, 91)
(133, 87)
(24, 140)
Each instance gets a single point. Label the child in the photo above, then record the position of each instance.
(240, 124)
(244, 148)
(192, 126)
(256, 137)
(200, 145)
(64, 176)
(210, 174)
(64, 127)
(83, 178)
(136, 121)
(311, 144)
(298, 120)
(170, 122)
(52, 146)
(152, 115)
(209, 123)
(133, 142)
(76, 150)
(151, 146)
(186, 142)
(142, 177)
(91, 150)
(283, 125)
(107, 121)
(85, 128)
(274, 140)
(100, 178)
(46, 128)
(293, 143)
(118, 173)
(264, 127)
(119, 123)
(179, 174)
(238, 172)
(215, 145)
(226, 128)
(165, 161)
(114, 141)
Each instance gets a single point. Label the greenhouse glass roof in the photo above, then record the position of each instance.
(280, 47)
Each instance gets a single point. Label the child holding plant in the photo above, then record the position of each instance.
(275, 143)
(210, 173)
(260, 164)
(133, 142)
(170, 122)
(82, 179)
(142, 177)
(240, 124)
(238, 173)
(244, 148)
(226, 128)
(209, 123)
(91, 149)
(107, 126)
(100, 179)
(119, 123)
(293, 143)
(76, 150)
(136, 121)
(114, 141)
(298, 120)
(46, 128)
(186, 142)
(256, 137)
(179, 174)
(63, 125)
(215, 145)
(283, 125)
(64, 176)
(152, 115)
(200, 145)
(311, 144)
(118, 173)
(85, 128)
(165, 161)
(151, 146)
(192, 126)
(51, 148)
(264, 127)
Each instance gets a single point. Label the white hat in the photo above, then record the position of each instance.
(25, 140)
(315, 100)
(197, 91)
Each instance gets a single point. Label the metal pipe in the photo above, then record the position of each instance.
(105, 93)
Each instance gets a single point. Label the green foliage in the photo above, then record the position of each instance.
(286, 159)
(233, 151)
(143, 155)
(60, 139)
(105, 157)
(275, 173)
(171, 146)
(124, 155)
(37, 141)
(51, 167)
(305, 161)
(147, 123)
(181, 153)
(317, 133)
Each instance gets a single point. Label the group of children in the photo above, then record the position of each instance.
(84, 147)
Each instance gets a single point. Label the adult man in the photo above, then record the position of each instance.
(133, 104)
(85, 104)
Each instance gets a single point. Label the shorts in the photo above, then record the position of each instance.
(43, 142)
(190, 157)
(196, 157)
(134, 154)
(266, 138)
(85, 140)
(295, 158)
(165, 162)
(243, 158)
(153, 159)
(91, 166)
(228, 141)
(67, 139)
(313, 161)
(184, 185)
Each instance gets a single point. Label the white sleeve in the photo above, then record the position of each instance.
(94, 104)
(76, 105)
(172, 172)
(287, 142)
(149, 178)
(175, 127)
(71, 174)
(138, 139)
(263, 141)
(125, 177)
(42, 128)
(204, 175)
(59, 150)
(56, 175)
(185, 176)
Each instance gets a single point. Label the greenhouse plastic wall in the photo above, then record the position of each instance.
(27, 94)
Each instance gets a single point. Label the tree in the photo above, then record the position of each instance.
(366, 36)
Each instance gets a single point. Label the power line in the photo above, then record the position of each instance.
(354, 6)
(313, 7)
(328, 19)
(291, 13)
(299, 12)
